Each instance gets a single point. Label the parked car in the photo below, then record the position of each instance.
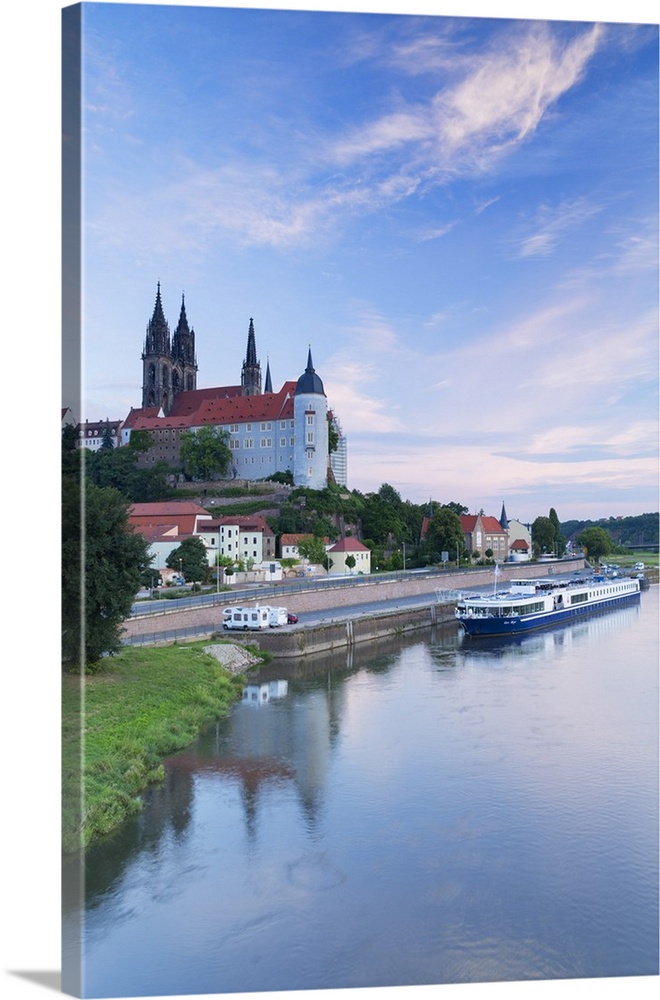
(291, 619)
(639, 566)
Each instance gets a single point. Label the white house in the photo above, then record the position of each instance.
(339, 553)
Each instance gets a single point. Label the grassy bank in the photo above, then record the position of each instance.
(119, 725)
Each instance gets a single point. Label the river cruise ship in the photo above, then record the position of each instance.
(533, 604)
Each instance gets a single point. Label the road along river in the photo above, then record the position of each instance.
(392, 606)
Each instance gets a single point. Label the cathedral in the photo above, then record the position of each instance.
(268, 431)
(168, 367)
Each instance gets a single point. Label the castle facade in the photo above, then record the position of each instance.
(268, 431)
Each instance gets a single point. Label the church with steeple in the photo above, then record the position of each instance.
(268, 431)
(168, 366)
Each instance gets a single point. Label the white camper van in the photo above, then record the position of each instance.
(277, 616)
(246, 618)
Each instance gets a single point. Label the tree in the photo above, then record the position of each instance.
(117, 467)
(98, 543)
(597, 541)
(444, 533)
(560, 542)
(350, 562)
(333, 435)
(107, 442)
(190, 557)
(140, 440)
(312, 548)
(543, 536)
(205, 453)
(380, 516)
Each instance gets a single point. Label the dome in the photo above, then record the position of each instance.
(309, 382)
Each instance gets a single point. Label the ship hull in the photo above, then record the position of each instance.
(520, 624)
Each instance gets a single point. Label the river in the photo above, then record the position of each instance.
(435, 810)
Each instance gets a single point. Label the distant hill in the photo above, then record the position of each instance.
(630, 532)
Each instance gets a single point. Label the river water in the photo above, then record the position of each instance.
(434, 810)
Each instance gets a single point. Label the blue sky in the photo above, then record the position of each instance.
(458, 214)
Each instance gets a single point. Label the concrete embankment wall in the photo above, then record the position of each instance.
(349, 632)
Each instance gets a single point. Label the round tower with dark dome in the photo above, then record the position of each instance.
(310, 410)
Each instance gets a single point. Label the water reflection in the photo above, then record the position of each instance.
(414, 811)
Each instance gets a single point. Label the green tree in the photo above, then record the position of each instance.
(117, 467)
(543, 536)
(190, 557)
(107, 443)
(140, 440)
(380, 517)
(333, 435)
(205, 453)
(597, 541)
(559, 542)
(350, 561)
(444, 532)
(312, 548)
(103, 561)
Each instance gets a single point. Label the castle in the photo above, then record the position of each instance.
(268, 431)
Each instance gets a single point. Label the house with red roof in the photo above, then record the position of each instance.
(289, 544)
(165, 525)
(482, 532)
(341, 551)
(246, 537)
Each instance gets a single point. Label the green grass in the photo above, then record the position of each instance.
(145, 705)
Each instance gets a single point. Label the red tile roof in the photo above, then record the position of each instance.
(182, 513)
(245, 521)
(219, 405)
(139, 414)
(190, 401)
(241, 409)
(489, 524)
(349, 545)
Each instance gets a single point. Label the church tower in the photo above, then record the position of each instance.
(156, 361)
(168, 367)
(184, 362)
(251, 371)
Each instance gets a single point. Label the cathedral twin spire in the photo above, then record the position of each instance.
(170, 365)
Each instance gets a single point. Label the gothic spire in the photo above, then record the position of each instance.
(251, 353)
(158, 332)
(504, 521)
(183, 341)
(269, 385)
(251, 371)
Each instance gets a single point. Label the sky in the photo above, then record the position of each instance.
(458, 214)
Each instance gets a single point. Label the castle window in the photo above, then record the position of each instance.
(282, 442)
(248, 427)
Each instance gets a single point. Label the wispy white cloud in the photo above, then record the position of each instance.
(553, 223)
(500, 100)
